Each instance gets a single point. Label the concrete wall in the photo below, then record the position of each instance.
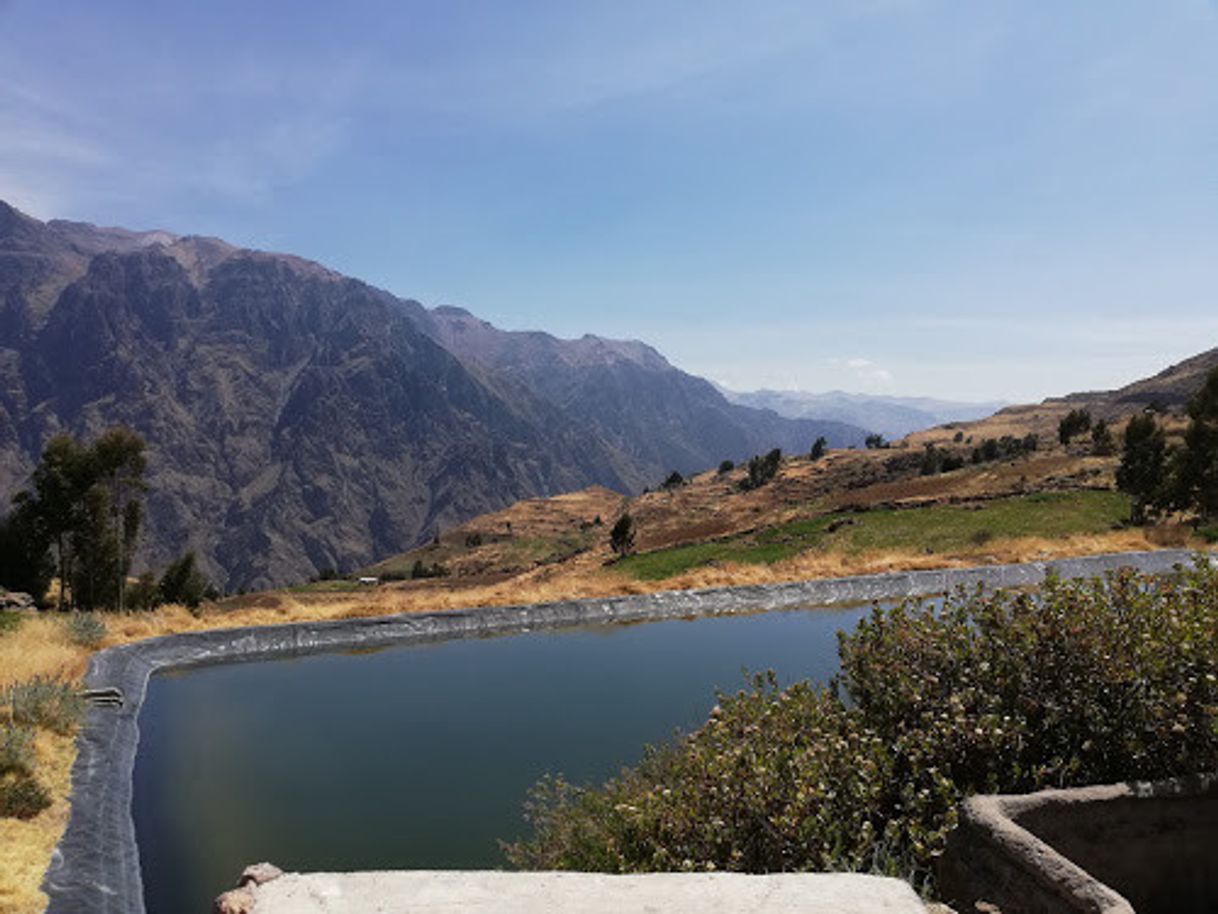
(1150, 848)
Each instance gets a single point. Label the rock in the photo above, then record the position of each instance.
(258, 873)
(234, 901)
(15, 600)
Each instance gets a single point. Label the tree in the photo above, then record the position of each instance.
(1102, 443)
(674, 481)
(1143, 463)
(25, 554)
(875, 441)
(57, 500)
(1074, 423)
(120, 466)
(183, 583)
(1197, 473)
(726, 467)
(762, 469)
(818, 448)
(84, 506)
(621, 537)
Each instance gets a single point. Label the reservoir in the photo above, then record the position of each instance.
(420, 756)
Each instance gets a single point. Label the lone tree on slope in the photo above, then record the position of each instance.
(621, 537)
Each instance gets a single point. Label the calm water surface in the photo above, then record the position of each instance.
(420, 756)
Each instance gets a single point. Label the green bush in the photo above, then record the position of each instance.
(46, 702)
(85, 629)
(22, 797)
(1093, 681)
(16, 750)
(9, 622)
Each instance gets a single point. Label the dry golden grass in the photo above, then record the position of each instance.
(26, 846)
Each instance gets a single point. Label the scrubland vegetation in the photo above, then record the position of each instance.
(1087, 682)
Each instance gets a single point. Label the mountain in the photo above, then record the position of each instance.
(1170, 389)
(298, 419)
(893, 417)
(659, 417)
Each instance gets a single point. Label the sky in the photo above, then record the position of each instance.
(998, 200)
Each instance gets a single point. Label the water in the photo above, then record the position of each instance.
(421, 756)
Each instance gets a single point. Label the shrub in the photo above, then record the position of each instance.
(85, 629)
(9, 621)
(1094, 681)
(621, 537)
(473, 540)
(762, 469)
(46, 702)
(1102, 442)
(674, 481)
(16, 749)
(1074, 423)
(183, 583)
(420, 569)
(726, 467)
(22, 797)
(818, 448)
(144, 594)
(875, 441)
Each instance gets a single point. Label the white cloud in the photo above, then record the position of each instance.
(865, 371)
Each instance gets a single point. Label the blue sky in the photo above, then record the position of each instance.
(972, 200)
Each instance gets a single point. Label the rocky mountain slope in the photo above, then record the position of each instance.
(298, 419)
(661, 418)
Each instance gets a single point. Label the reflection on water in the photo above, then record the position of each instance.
(420, 756)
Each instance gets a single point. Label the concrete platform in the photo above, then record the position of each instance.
(483, 892)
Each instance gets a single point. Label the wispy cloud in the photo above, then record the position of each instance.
(865, 371)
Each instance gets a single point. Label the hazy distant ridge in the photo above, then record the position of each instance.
(893, 417)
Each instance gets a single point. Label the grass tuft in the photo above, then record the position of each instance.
(46, 702)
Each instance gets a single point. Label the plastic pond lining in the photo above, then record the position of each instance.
(96, 868)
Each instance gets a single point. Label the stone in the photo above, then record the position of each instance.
(16, 600)
(259, 873)
(234, 901)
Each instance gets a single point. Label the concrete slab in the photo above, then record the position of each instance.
(483, 892)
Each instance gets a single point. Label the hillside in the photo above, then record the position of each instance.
(849, 512)
(298, 419)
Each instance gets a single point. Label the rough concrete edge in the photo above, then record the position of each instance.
(95, 866)
(994, 820)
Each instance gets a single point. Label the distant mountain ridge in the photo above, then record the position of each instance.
(893, 417)
(298, 419)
